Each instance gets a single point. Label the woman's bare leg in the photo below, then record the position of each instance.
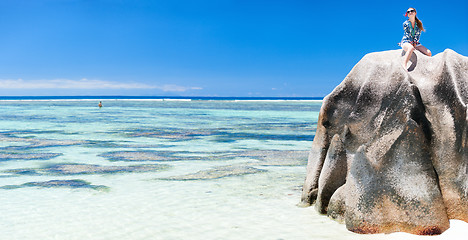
(408, 48)
(424, 50)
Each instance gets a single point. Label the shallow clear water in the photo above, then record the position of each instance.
(160, 170)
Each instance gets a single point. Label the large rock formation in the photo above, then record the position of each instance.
(391, 148)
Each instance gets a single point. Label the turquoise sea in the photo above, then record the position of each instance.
(154, 168)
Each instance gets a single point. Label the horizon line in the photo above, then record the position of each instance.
(150, 97)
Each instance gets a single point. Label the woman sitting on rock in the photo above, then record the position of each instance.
(412, 28)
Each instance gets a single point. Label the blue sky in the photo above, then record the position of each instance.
(205, 48)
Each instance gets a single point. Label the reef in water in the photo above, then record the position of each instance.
(27, 156)
(75, 183)
(76, 169)
(218, 172)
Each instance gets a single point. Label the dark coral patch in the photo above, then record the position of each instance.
(215, 173)
(276, 157)
(27, 156)
(33, 142)
(138, 156)
(75, 183)
(77, 169)
(170, 134)
(266, 157)
(135, 156)
(231, 134)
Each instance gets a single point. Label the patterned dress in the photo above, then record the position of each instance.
(411, 35)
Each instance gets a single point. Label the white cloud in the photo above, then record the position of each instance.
(86, 84)
(176, 88)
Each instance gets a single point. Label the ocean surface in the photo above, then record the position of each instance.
(161, 168)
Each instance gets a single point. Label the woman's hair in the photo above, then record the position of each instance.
(420, 25)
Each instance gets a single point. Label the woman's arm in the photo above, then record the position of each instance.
(407, 30)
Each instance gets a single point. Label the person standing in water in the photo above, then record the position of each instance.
(100, 104)
(412, 32)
